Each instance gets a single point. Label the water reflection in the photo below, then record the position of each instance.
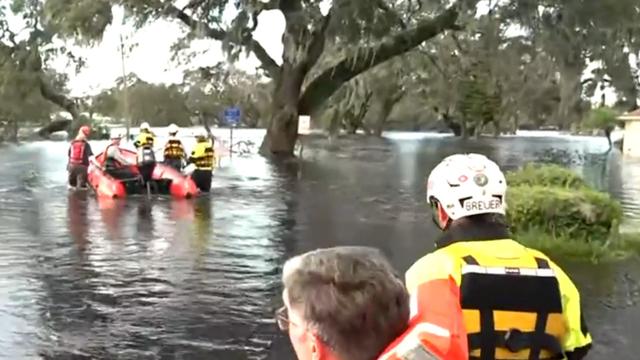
(144, 224)
(203, 223)
(111, 212)
(77, 218)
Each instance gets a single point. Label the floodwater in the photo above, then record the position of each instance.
(198, 279)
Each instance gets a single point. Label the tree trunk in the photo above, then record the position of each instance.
(468, 130)
(282, 133)
(385, 107)
(607, 133)
(13, 135)
(334, 122)
(456, 127)
(477, 131)
(570, 90)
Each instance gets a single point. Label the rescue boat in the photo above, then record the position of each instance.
(166, 180)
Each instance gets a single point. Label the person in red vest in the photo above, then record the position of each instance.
(79, 153)
(348, 303)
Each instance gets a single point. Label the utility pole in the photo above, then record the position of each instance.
(125, 89)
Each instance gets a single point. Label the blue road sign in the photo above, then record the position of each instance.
(232, 115)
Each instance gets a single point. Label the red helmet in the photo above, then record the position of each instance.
(85, 130)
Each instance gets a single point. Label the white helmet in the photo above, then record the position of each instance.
(468, 184)
(145, 126)
(201, 133)
(173, 128)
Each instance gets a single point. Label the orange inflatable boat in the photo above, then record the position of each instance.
(166, 180)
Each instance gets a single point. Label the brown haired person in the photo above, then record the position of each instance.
(347, 303)
(517, 303)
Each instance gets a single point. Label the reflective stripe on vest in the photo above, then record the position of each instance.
(76, 156)
(203, 156)
(436, 327)
(512, 312)
(173, 149)
(412, 347)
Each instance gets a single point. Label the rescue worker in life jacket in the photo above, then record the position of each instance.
(146, 158)
(115, 164)
(79, 153)
(517, 303)
(342, 303)
(145, 137)
(174, 152)
(203, 157)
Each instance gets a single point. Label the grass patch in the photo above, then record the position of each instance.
(620, 248)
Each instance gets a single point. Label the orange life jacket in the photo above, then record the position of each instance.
(76, 152)
(436, 328)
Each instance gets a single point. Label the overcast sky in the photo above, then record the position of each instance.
(150, 59)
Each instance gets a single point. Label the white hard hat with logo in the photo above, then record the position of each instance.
(466, 185)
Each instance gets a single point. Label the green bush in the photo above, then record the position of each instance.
(580, 214)
(544, 175)
(601, 118)
(552, 209)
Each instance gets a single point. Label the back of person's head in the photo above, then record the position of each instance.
(83, 132)
(116, 137)
(349, 299)
(466, 186)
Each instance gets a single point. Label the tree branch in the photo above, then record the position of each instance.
(325, 84)
(433, 61)
(270, 66)
(382, 5)
(318, 41)
(64, 102)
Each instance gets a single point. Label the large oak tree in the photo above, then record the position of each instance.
(368, 31)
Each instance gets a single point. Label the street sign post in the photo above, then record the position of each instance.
(232, 117)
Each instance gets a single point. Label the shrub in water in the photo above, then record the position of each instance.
(578, 214)
(545, 175)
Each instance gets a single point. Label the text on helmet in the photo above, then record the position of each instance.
(473, 205)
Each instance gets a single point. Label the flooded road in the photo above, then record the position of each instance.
(198, 279)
